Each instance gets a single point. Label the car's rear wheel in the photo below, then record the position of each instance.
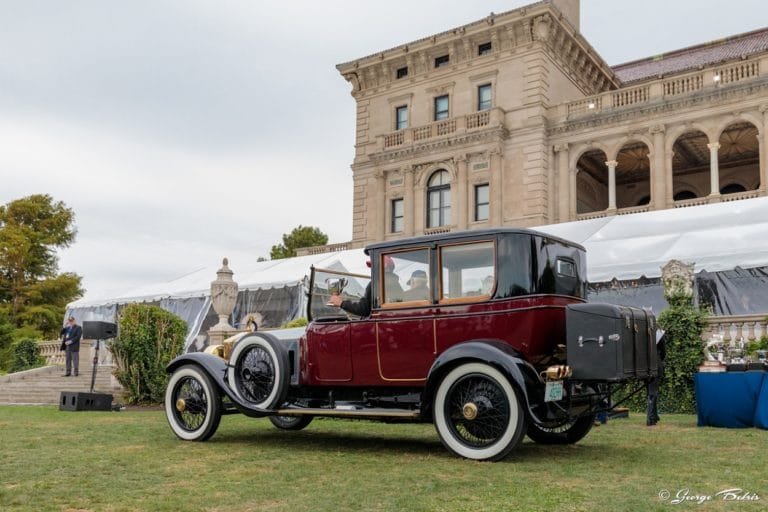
(192, 404)
(258, 374)
(477, 413)
(567, 433)
(291, 422)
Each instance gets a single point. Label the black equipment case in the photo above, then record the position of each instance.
(611, 343)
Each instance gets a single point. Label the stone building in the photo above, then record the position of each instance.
(515, 120)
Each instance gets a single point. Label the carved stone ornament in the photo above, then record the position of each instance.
(223, 296)
(678, 279)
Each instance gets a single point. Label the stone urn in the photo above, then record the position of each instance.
(223, 297)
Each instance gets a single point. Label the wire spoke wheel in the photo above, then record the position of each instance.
(259, 372)
(477, 412)
(195, 401)
(255, 370)
(192, 404)
(492, 417)
(567, 432)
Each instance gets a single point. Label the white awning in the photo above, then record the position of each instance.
(715, 237)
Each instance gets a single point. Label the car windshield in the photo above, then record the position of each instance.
(328, 282)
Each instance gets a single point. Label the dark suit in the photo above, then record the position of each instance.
(72, 343)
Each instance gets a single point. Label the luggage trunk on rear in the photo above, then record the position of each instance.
(610, 343)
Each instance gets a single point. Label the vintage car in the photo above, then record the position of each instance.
(486, 334)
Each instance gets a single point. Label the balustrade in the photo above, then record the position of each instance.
(735, 328)
(661, 88)
(444, 127)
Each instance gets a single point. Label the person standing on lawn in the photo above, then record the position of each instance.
(72, 338)
(652, 413)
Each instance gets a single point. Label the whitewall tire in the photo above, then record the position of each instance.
(477, 413)
(192, 404)
(257, 373)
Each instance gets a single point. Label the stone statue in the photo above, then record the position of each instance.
(678, 280)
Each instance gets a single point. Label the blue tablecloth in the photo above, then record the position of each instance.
(761, 411)
(732, 399)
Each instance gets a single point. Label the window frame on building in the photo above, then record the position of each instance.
(401, 72)
(442, 60)
(401, 123)
(487, 103)
(484, 48)
(439, 115)
(478, 204)
(440, 192)
(397, 215)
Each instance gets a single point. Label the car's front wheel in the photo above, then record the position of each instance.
(192, 404)
(291, 422)
(477, 413)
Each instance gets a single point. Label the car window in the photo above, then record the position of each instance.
(467, 271)
(328, 282)
(405, 277)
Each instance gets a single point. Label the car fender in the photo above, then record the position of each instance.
(216, 368)
(500, 355)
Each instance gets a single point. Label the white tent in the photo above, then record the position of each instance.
(715, 237)
(281, 282)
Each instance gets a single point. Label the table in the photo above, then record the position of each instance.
(732, 399)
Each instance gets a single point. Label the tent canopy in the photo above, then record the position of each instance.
(716, 237)
(249, 275)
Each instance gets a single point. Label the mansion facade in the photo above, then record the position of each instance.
(515, 120)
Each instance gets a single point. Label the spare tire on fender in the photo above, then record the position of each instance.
(258, 372)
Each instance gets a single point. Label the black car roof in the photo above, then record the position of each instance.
(460, 235)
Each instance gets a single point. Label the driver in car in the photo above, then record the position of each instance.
(362, 307)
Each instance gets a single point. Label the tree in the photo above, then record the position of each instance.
(33, 294)
(302, 236)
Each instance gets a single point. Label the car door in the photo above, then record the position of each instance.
(328, 353)
(405, 317)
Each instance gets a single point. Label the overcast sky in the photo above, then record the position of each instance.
(183, 131)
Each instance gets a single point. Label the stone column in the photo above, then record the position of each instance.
(611, 184)
(572, 193)
(658, 172)
(223, 298)
(714, 170)
(380, 216)
(764, 150)
(669, 179)
(564, 184)
(497, 197)
(409, 209)
(461, 191)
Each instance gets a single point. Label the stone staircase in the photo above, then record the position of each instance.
(44, 385)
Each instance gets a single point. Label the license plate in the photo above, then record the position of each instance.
(553, 392)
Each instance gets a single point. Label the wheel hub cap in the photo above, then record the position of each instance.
(470, 411)
(181, 405)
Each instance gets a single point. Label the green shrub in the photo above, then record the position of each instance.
(683, 324)
(148, 339)
(296, 322)
(26, 355)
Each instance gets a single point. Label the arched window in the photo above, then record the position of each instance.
(685, 194)
(438, 199)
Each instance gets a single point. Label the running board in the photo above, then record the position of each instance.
(350, 413)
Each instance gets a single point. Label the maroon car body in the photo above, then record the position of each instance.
(467, 330)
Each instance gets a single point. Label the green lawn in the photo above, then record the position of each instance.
(130, 460)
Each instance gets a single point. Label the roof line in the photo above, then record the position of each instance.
(699, 46)
(451, 31)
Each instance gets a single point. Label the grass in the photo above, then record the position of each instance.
(130, 460)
